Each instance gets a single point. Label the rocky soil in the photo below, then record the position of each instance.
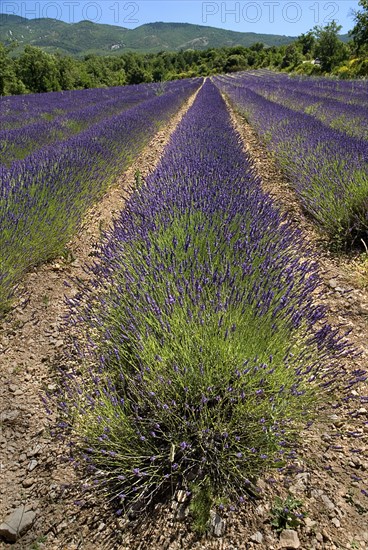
(43, 504)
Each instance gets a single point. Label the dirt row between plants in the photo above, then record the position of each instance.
(35, 468)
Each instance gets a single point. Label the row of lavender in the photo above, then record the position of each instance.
(343, 109)
(20, 110)
(207, 351)
(347, 91)
(43, 198)
(327, 168)
(59, 121)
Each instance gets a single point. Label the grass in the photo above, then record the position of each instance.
(200, 506)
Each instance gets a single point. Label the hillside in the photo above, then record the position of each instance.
(87, 37)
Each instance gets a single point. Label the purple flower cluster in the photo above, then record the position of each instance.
(207, 347)
(17, 143)
(21, 110)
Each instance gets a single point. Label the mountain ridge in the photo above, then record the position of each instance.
(87, 37)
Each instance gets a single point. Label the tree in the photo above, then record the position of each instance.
(137, 75)
(292, 57)
(329, 49)
(7, 74)
(235, 62)
(38, 70)
(69, 71)
(360, 31)
(307, 42)
(9, 82)
(158, 70)
(257, 47)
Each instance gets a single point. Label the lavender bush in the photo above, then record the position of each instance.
(21, 110)
(207, 352)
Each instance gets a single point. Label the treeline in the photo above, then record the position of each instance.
(319, 51)
(37, 71)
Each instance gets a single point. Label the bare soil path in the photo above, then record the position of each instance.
(34, 466)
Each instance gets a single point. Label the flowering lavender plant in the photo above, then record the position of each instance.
(341, 105)
(207, 352)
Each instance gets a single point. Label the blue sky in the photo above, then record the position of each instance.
(265, 16)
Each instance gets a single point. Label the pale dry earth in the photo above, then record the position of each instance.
(35, 468)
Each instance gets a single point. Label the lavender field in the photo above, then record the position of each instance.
(318, 132)
(54, 170)
(203, 352)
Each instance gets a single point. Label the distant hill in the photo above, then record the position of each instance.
(85, 37)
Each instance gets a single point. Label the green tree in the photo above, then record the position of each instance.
(138, 75)
(257, 47)
(38, 70)
(275, 56)
(7, 73)
(235, 62)
(158, 69)
(292, 57)
(69, 72)
(360, 30)
(306, 42)
(329, 49)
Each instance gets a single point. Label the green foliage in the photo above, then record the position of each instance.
(235, 63)
(38, 70)
(307, 43)
(39, 541)
(329, 49)
(67, 255)
(286, 513)
(292, 57)
(200, 506)
(9, 82)
(138, 181)
(360, 30)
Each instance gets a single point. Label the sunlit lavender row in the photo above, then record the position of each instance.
(327, 168)
(346, 91)
(20, 110)
(43, 197)
(345, 109)
(207, 349)
(56, 126)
